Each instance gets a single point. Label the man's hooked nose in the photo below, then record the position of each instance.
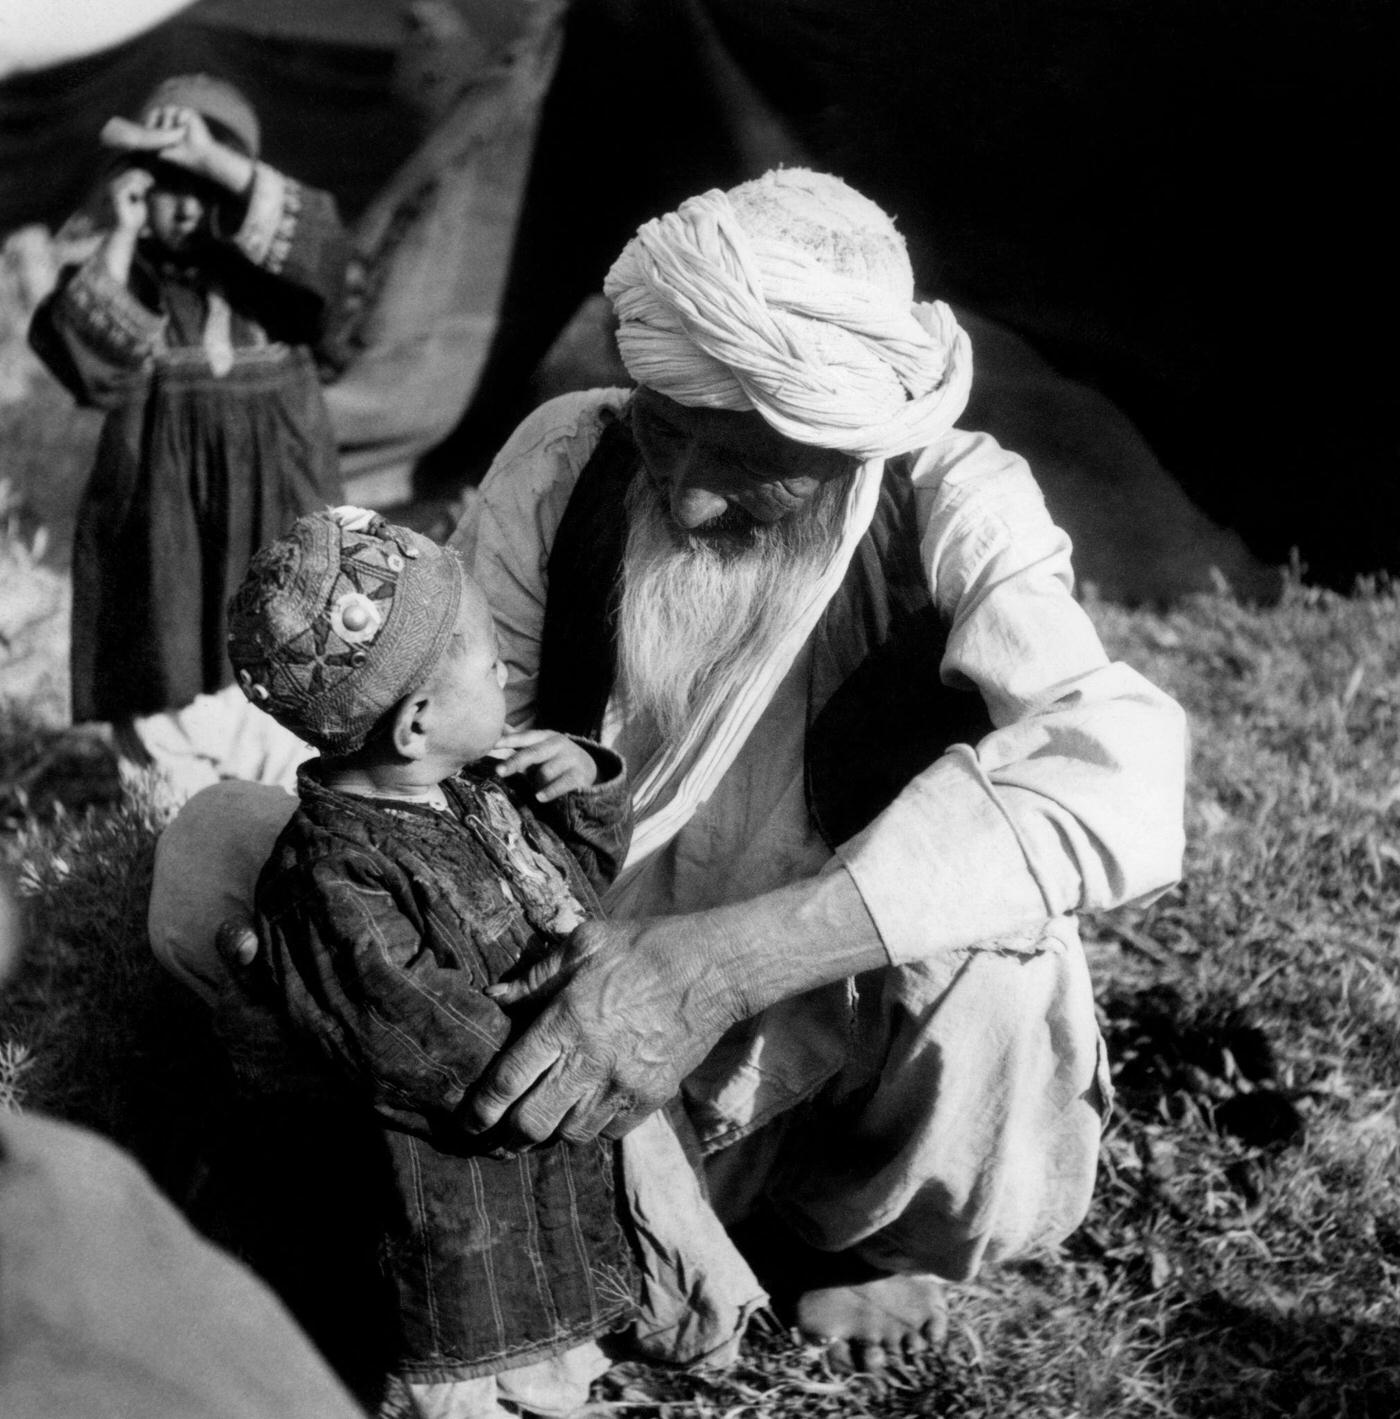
(693, 507)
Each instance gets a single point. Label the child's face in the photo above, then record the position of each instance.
(468, 686)
(177, 213)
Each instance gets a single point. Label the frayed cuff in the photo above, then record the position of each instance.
(110, 316)
(274, 210)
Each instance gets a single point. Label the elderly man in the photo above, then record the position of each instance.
(771, 576)
(880, 759)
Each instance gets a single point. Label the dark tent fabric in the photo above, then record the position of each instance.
(1185, 208)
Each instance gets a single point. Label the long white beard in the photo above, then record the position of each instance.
(699, 614)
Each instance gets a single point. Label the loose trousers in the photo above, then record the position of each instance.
(963, 1125)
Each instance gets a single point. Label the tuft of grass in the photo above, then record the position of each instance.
(15, 1059)
(95, 1029)
(1252, 1014)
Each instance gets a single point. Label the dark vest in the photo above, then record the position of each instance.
(877, 711)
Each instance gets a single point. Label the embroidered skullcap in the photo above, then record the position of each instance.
(213, 98)
(340, 619)
(792, 295)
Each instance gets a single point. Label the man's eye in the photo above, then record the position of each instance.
(775, 497)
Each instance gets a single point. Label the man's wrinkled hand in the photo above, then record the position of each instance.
(631, 1007)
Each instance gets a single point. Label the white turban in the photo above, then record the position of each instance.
(791, 295)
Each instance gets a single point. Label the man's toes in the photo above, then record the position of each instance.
(915, 1342)
(849, 1356)
(872, 1357)
(838, 1356)
(889, 1319)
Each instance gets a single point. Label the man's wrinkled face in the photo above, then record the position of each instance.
(725, 473)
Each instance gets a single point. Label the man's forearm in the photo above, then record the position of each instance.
(791, 940)
(229, 169)
(636, 1005)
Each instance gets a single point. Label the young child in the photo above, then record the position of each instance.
(408, 881)
(196, 323)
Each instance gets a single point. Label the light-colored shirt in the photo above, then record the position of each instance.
(1074, 800)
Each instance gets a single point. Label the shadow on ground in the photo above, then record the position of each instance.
(1300, 1364)
(1209, 1050)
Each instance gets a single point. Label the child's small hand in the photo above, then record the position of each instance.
(181, 137)
(555, 763)
(127, 194)
(176, 135)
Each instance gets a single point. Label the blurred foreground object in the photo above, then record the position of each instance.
(111, 1307)
(35, 34)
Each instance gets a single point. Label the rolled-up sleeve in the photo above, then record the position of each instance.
(1075, 800)
(293, 234)
(96, 337)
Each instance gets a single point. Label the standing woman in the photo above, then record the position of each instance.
(199, 323)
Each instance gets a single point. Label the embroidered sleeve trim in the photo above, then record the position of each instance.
(110, 316)
(274, 210)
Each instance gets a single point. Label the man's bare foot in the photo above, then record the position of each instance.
(867, 1323)
(865, 1316)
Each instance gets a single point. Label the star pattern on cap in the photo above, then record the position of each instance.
(310, 635)
(315, 661)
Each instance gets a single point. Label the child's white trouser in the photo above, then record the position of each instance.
(221, 736)
(557, 1386)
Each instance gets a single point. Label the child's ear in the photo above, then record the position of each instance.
(410, 726)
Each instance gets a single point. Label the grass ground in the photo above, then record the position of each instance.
(1242, 1258)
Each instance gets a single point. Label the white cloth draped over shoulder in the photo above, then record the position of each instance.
(683, 772)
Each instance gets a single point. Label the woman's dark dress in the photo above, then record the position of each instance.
(217, 437)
